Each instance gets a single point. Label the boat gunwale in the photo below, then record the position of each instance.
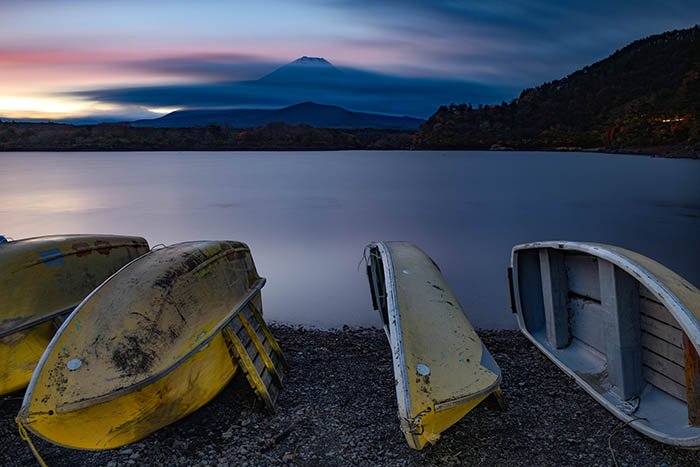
(30, 324)
(68, 236)
(402, 390)
(90, 249)
(48, 317)
(393, 329)
(74, 406)
(451, 403)
(23, 415)
(689, 324)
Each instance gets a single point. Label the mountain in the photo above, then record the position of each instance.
(646, 95)
(302, 70)
(87, 120)
(309, 79)
(306, 113)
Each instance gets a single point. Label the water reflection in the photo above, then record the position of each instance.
(48, 202)
(307, 216)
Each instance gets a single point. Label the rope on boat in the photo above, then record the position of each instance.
(366, 254)
(25, 437)
(363, 259)
(615, 431)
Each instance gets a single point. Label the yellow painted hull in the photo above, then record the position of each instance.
(133, 416)
(19, 354)
(145, 349)
(441, 367)
(44, 278)
(434, 423)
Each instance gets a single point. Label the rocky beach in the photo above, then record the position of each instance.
(338, 408)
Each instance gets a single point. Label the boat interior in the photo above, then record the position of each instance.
(377, 285)
(609, 330)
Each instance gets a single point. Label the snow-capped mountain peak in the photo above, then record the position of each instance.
(305, 60)
(304, 70)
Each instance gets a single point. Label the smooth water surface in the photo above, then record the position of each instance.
(308, 215)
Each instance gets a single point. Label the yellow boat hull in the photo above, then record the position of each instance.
(434, 423)
(135, 415)
(19, 354)
(442, 369)
(42, 279)
(145, 349)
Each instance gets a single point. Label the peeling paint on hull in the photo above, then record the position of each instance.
(42, 279)
(150, 347)
(441, 367)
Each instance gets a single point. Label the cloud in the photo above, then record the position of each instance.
(522, 43)
(218, 66)
(352, 88)
(422, 53)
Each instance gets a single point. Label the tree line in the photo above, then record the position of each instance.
(122, 137)
(644, 96)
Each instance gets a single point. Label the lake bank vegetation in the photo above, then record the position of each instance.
(123, 137)
(644, 98)
(55, 137)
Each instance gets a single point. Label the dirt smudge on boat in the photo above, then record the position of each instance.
(131, 358)
(81, 249)
(103, 247)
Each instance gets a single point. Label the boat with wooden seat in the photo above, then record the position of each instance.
(442, 369)
(42, 280)
(152, 344)
(623, 326)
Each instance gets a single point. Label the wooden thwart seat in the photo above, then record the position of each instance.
(625, 327)
(641, 341)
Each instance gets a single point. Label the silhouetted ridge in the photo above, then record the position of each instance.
(644, 95)
(306, 113)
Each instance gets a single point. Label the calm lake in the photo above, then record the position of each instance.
(308, 215)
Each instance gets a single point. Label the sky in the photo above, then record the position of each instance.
(67, 59)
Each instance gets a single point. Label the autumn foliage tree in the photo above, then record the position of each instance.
(645, 95)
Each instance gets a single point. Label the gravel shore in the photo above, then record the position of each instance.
(339, 409)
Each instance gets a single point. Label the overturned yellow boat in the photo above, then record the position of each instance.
(42, 280)
(152, 344)
(441, 367)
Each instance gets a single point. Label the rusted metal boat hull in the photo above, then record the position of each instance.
(42, 280)
(623, 326)
(144, 349)
(442, 369)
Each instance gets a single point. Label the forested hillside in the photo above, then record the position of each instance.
(644, 96)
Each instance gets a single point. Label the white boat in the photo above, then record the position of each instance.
(623, 326)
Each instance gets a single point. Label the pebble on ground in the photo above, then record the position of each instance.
(338, 408)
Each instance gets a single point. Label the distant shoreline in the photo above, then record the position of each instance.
(663, 152)
(281, 137)
(608, 152)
